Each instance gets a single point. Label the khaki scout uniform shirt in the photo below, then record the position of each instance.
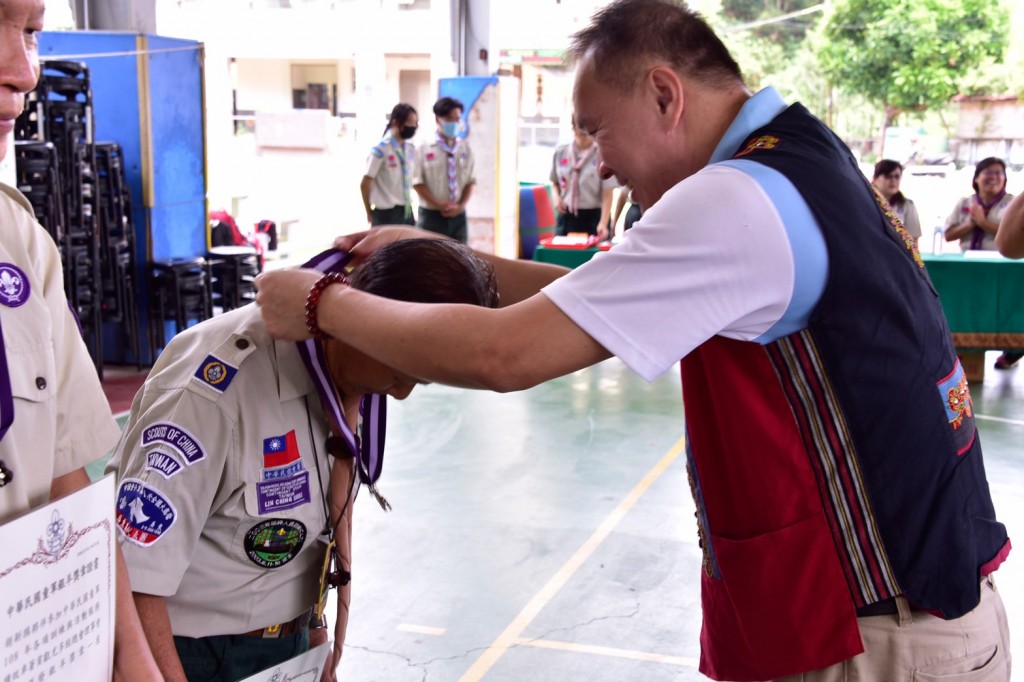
(62, 420)
(591, 184)
(432, 170)
(384, 165)
(220, 505)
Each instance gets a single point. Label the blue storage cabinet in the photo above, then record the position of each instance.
(148, 97)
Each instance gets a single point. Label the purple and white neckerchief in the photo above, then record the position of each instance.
(14, 292)
(368, 446)
(6, 403)
(572, 190)
(398, 146)
(978, 234)
(451, 151)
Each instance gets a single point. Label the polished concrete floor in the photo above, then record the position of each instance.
(548, 535)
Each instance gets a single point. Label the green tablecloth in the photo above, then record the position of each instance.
(983, 299)
(570, 258)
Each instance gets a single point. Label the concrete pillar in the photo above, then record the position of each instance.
(137, 16)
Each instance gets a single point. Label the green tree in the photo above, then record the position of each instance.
(910, 55)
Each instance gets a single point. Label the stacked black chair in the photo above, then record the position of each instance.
(38, 178)
(234, 271)
(117, 245)
(59, 112)
(180, 292)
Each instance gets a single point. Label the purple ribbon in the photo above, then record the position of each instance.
(6, 394)
(368, 448)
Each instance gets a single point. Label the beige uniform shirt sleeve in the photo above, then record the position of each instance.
(183, 473)
(62, 420)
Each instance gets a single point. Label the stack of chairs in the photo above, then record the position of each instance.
(117, 246)
(59, 112)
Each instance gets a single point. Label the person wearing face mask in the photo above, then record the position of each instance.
(444, 176)
(54, 418)
(386, 186)
(228, 478)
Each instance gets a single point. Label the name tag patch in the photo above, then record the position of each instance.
(274, 542)
(177, 437)
(162, 463)
(282, 494)
(143, 513)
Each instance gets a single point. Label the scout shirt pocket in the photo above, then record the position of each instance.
(283, 509)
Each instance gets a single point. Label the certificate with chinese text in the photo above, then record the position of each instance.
(57, 586)
(305, 667)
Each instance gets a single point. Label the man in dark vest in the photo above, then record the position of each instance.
(845, 517)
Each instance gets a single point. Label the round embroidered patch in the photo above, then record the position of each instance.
(14, 286)
(214, 372)
(274, 542)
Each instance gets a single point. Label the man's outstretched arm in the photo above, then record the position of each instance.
(503, 349)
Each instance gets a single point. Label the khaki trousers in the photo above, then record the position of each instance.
(918, 647)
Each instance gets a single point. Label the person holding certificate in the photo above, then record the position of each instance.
(54, 418)
(237, 474)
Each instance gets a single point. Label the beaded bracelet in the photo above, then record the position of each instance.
(314, 298)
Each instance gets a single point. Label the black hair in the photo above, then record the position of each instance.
(428, 271)
(400, 114)
(885, 167)
(446, 105)
(625, 36)
(982, 165)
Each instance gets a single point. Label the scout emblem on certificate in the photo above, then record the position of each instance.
(57, 587)
(305, 667)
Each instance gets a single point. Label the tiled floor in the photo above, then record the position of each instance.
(548, 535)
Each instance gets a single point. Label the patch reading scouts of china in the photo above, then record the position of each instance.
(274, 542)
(143, 513)
(763, 142)
(216, 373)
(177, 437)
(956, 398)
(14, 286)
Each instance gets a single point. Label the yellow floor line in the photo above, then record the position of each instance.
(421, 629)
(514, 631)
(609, 651)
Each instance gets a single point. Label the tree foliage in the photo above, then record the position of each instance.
(911, 54)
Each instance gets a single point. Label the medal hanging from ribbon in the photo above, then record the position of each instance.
(368, 446)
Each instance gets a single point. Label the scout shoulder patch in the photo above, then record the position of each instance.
(14, 286)
(216, 373)
(144, 514)
(274, 542)
(162, 463)
(176, 437)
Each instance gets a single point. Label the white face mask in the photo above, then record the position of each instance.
(451, 128)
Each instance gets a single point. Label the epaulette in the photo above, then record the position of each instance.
(218, 369)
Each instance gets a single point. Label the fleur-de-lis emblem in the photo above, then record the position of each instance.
(10, 283)
(14, 286)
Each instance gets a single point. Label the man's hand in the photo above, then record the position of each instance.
(281, 296)
(362, 244)
(318, 636)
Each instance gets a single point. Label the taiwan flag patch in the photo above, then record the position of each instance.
(279, 451)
